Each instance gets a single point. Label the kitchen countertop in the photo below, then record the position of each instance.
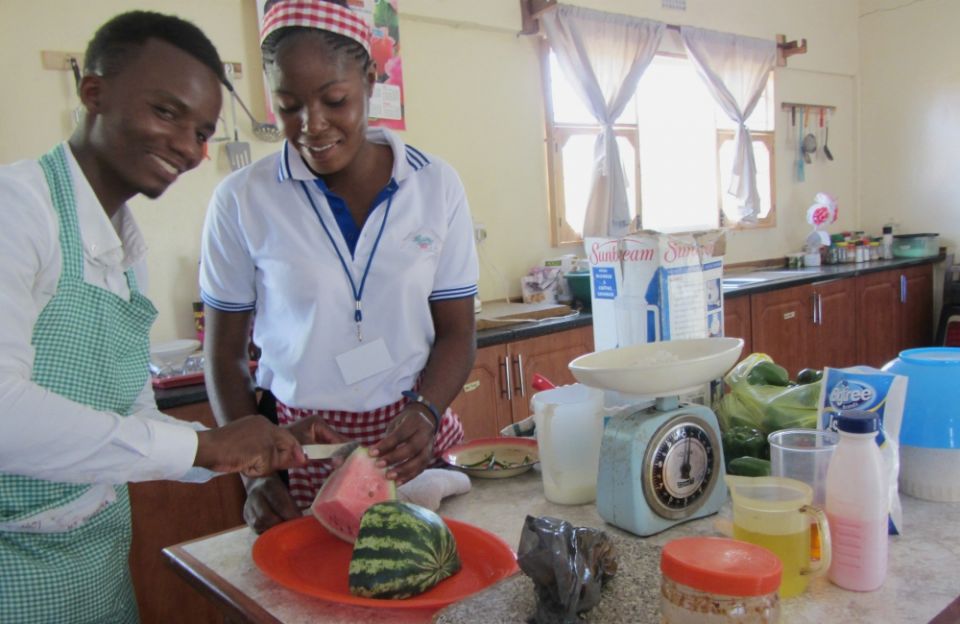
(922, 578)
(795, 277)
(168, 398)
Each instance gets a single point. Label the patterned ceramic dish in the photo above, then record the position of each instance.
(494, 458)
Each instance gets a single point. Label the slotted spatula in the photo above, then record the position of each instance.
(238, 152)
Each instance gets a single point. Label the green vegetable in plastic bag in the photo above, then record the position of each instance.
(743, 441)
(809, 375)
(764, 406)
(769, 374)
(749, 467)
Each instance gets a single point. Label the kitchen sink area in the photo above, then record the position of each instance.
(761, 276)
(741, 280)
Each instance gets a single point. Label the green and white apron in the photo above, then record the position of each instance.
(92, 347)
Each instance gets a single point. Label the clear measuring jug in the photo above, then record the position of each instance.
(569, 422)
(776, 513)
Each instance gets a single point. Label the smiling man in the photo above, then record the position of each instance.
(77, 414)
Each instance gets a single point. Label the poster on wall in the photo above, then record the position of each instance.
(386, 103)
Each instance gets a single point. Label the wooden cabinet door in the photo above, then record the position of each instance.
(781, 322)
(167, 513)
(736, 321)
(878, 317)
(548, 355)
(834, 335)
(482, 405)
(916, 319)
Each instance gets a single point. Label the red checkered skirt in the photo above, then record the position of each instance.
(367, 427)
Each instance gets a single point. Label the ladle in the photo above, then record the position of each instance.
(263, 131)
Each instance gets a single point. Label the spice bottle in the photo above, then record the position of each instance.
(718, 580)
(856, 503)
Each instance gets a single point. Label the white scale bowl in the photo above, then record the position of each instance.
(658, 369)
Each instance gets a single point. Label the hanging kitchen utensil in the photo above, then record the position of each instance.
(826, 137)
(800, 173)
(78, 109)
(263, 131)
(809, 145)
(238, 152)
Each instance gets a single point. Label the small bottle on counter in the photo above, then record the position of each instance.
(860, 252)
(718, 580)
(856, 503)
(887, 246)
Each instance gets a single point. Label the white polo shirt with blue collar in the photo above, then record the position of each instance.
(276, 241)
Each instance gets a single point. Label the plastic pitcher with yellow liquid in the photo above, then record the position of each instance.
(776, 513)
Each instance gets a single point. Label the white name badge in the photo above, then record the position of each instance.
(364, 361)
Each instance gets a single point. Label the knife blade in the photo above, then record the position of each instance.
(327, 451)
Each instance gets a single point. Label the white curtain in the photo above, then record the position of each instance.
(603, 55)
(735, 70)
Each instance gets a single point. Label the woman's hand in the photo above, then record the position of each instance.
(268, 503)
(252, 446)
(408, 446)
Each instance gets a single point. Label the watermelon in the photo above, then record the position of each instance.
(402, 550)
(348, 491)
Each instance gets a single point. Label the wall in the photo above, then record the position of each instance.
(473, 97)
(910, 124)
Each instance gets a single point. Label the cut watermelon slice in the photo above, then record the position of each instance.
(349, 491)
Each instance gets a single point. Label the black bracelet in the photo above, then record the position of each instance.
(416, 397)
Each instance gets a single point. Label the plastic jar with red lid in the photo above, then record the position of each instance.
(717, 580)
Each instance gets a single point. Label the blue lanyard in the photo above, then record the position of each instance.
(357, 292)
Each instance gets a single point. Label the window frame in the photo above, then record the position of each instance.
(557, 134)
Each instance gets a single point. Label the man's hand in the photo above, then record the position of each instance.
(313, 430)
(268, 503)
(252, 446)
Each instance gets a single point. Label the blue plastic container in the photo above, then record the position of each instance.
(931, 415)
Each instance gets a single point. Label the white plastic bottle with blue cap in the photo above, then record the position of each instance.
(857, 504)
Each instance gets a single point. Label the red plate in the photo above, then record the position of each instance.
(303, 556)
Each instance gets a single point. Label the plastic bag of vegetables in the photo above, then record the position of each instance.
(763, 397)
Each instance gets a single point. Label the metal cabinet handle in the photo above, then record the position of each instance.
(521, 388)
(819, 309)
(816, 315)
(903, 288)
(507, 390)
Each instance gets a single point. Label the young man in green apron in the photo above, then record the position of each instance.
(77, 415)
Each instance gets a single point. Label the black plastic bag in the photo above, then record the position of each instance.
(568, 565)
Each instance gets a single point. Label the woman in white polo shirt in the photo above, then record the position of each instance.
(355, 252)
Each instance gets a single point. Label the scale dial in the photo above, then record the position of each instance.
(681, 465)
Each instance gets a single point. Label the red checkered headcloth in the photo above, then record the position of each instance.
(316, 14)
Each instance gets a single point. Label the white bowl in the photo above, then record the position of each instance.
(173, 354)
(658, 368)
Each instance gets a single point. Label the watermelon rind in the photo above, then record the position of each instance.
(402, 550)
(349, 491)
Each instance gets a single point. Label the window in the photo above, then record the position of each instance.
(676, 147)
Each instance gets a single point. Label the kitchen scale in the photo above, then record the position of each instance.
(661, 465)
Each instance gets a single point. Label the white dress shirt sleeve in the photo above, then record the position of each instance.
(43, 434)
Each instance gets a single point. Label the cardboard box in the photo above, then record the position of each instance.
(649, 286)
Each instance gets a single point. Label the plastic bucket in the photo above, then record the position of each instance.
(930, 415)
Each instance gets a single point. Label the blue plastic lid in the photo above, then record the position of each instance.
(856, 421)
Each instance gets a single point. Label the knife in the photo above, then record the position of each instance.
(327, 451)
